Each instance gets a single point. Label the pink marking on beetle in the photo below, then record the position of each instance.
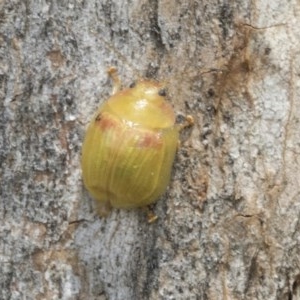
(150, 140)
(105, 122)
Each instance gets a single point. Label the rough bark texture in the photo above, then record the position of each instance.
(228, 226)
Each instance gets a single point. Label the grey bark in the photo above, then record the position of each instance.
(228, 227)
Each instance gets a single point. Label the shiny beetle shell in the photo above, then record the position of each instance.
(129, 146)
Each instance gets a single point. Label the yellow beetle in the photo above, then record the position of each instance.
(129, 146)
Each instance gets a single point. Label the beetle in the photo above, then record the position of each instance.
(130, 146)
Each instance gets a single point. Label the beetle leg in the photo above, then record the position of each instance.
(151, 216)
(113, 73)
(189, 121)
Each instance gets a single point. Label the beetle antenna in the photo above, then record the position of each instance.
(113, 73)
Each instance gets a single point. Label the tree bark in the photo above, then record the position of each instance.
(228, 226)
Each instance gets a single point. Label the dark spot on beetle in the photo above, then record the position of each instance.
(132, 85)
(162, 92)
(98, 118)
(106, 122)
